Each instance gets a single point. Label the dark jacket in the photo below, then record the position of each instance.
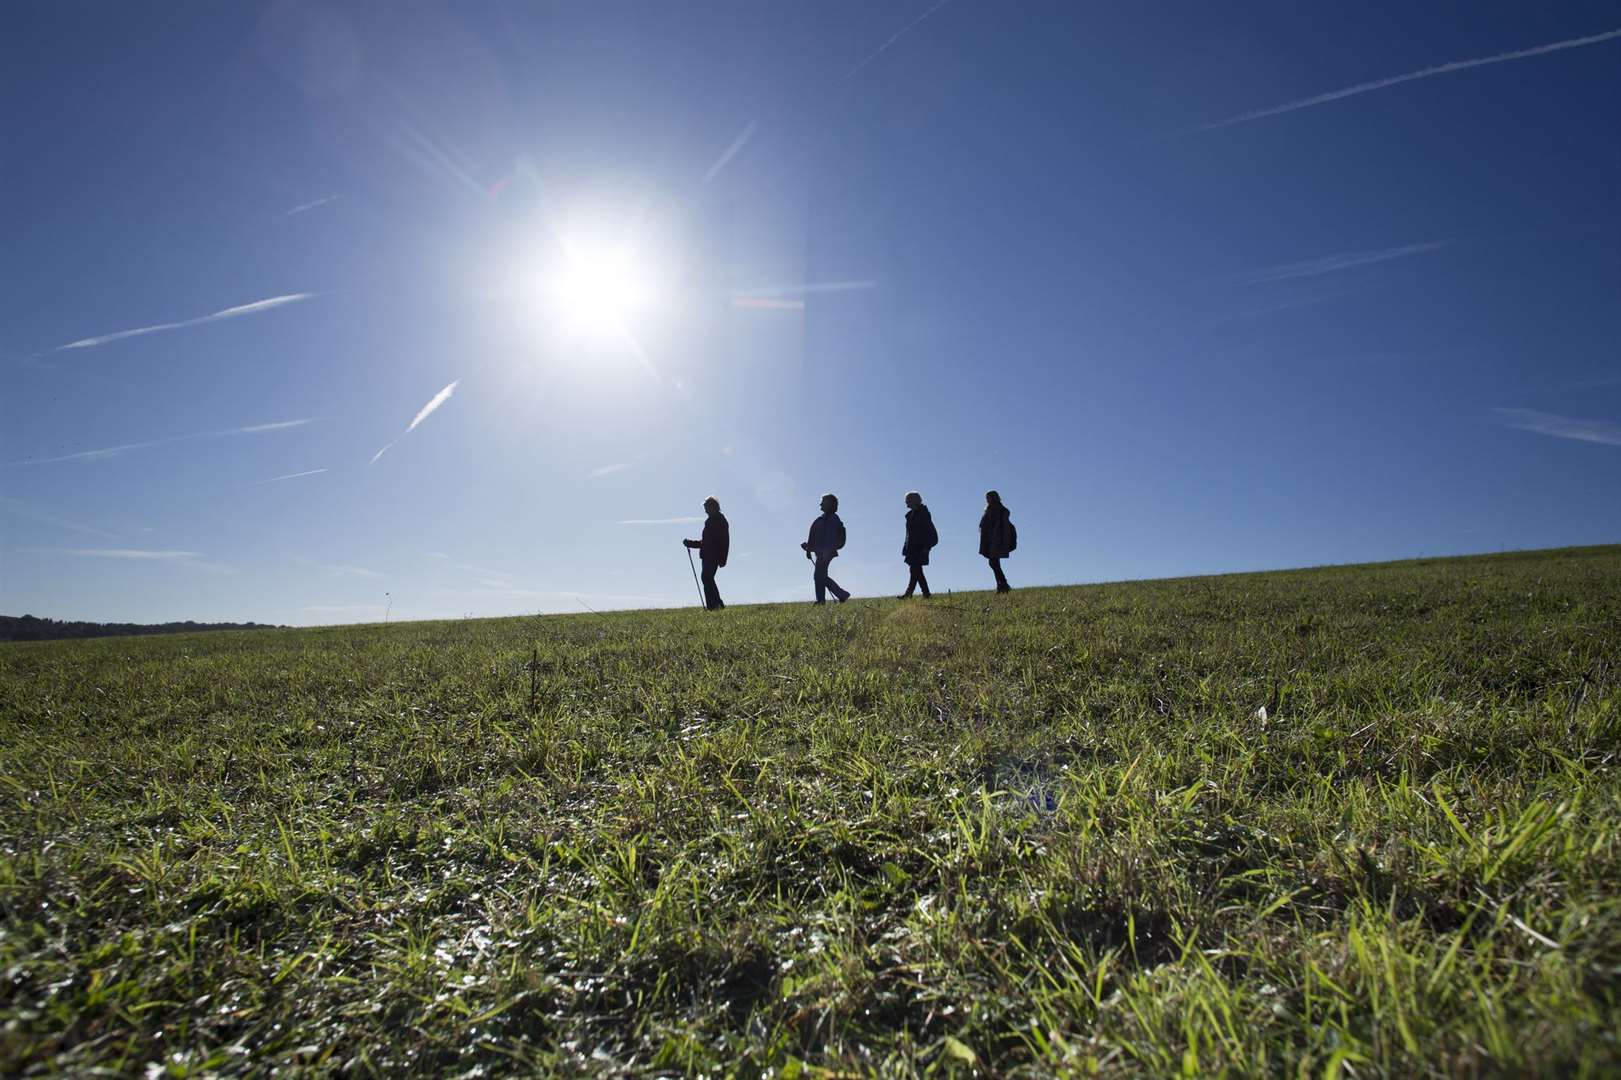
(997, 537)
(826, 536)
(716, 543)
(920, 536)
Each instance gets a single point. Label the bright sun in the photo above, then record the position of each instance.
(599, 290)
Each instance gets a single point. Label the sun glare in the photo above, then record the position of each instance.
(600, 289)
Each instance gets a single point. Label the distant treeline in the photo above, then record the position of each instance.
(29, 628)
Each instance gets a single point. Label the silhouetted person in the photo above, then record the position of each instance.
(712, 550)
(997, 537)
(826, 538)
(920, 537)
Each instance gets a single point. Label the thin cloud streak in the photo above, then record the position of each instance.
(1330, 264)
(20, 509)
(731, 151)
(808, 287)
(227, 313)
(767, 303)
(114, 451)
(608, 470)
(347, 571)
(438, 399)
(293, 475)
(310, 206)
(1562, 427)
(662, 521)
(422, 414)
(1412, 76)
(133, 553)
(896, 36)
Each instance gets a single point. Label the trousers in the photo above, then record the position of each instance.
(712, 599)
(825, 584)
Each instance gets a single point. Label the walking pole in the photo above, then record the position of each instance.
(703, 603)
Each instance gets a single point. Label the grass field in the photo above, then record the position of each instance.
(1356, 821)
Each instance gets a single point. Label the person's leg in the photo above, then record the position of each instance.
(712, 598)
(911, 582)
(1001, 578)
(819, 578)
(922, 582)
(833, 586)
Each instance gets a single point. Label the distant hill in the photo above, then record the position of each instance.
(29, 628)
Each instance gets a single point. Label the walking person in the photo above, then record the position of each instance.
(713, 548)
(920, 537)
(825, 540)
(997, 537)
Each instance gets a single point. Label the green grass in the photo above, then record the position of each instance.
(1353, 821)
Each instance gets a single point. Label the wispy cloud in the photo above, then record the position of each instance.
(770, 303)
(293, 475)
(896, 36)
(487, 574)
(105, 452)
(422, 414)
(1562, 427)
(301, 208)
(608, 470)
(133, 553)
(20, 509)
(277, 425)
(808, 287)
(731, 151)
(1330, 264)
(228, 313)
(346, 571)
(1412, 76)
(662, 521)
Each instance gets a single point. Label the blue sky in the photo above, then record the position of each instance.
(1197, 287)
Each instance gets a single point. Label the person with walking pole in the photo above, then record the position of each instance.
(997, 537)
(822, 546)
(713, 548)
(920, 537)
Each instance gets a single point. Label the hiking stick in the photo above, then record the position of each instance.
(702, 602)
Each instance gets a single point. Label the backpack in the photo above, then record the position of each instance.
(1012, 537)
(838, 544)
(933, 536)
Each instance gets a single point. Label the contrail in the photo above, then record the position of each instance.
(1562, 427)
(662, 521)
(730, 152)
(114, 451)
(438, 399)
(227, 313)
(427, 410)
(1328, 264)
(131, 553)
(293, 475)
(896, 36)
(1411, 76)
(309, 205)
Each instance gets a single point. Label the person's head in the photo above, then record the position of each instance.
(830, 503)
(712, 505)
(914, 500)
(992, 499)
